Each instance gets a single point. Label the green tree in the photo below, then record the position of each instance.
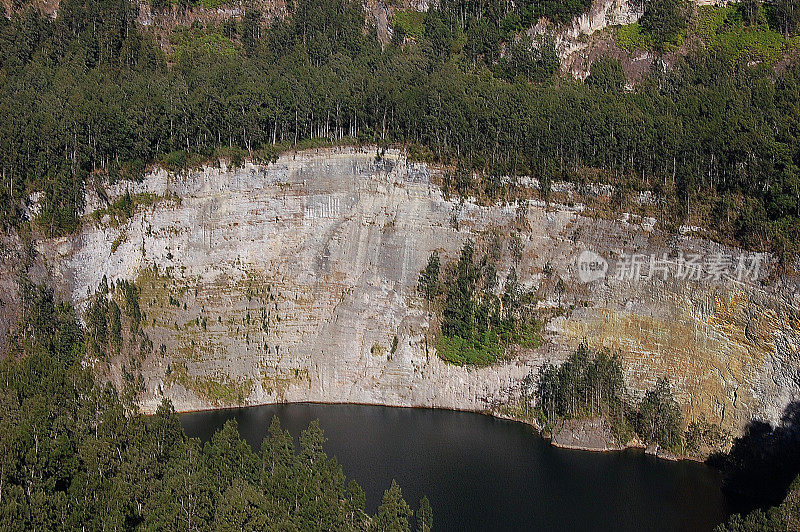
(241, 508)
(424, 516)
(660, 417)
(428, 284)
(251, 31)
(356, 518)
(750, 10)
(664, 20)
(607, 75)
(458, 315)
(393, 513)
(438, 36)
(787, 13)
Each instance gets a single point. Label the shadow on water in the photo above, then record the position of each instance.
(763, 461)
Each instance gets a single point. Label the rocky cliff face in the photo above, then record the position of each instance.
(588, 38)
(290, 282)
(601, 14)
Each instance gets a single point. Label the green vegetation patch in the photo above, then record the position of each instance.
(631, 37)
(207, 4)
(214, 4)
(723, 29)
(192, 347)
(409, 22)
(123, 208)
(277, 382)
(478, 326)
(110, 307)
(218, 390)
(482, 351)
(663, 26)
(160, 294)
(377, 350)
(189, 41)
(118, 241)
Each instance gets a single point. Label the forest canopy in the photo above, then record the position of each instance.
(91, 96)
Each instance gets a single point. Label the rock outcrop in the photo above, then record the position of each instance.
(602, 14)
(593, 434)
(290, 282)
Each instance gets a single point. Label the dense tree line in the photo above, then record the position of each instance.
(664, 20)
(592, 384)
(91, 95)
(74, 454)
(584, 385)
(478, 320)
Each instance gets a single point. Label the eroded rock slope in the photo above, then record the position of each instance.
(290, 282)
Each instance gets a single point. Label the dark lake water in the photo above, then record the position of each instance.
(483, 473)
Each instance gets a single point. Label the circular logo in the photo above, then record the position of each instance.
(591, 266)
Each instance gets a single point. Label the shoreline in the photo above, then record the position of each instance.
(655, 452)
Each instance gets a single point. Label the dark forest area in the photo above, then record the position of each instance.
(90, 96)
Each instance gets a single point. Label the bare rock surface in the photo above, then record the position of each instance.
(592, 434)
(290, 282)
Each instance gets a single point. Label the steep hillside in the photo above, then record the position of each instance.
(297, 282)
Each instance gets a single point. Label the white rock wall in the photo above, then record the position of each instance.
(305, 270)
